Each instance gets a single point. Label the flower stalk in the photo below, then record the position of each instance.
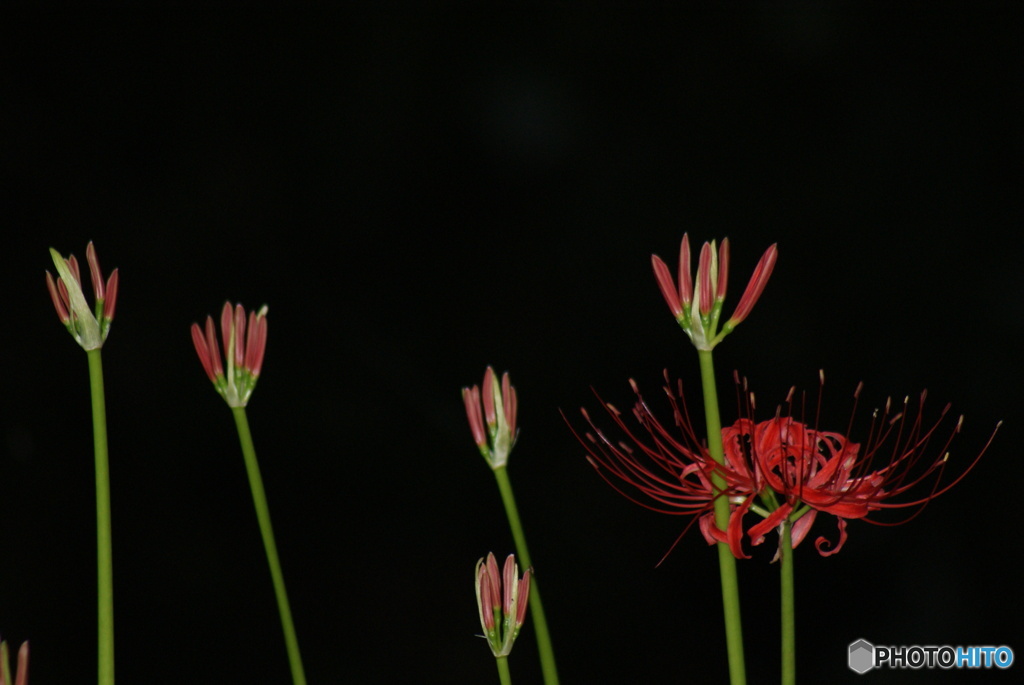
(726, 559)
(90, 327)
(104, 542)
(259, 500)
(245, 341)
(788, 603)
(492, 419)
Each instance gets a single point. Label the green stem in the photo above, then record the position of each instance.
(788, 608)
(104, 550)
(503, 673)
(259, 499)
(726, 561)
(540, 622)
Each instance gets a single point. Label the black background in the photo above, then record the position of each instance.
(417, 194)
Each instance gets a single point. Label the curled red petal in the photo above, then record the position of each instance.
(825, 547)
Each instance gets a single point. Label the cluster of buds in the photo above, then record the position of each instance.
(697, 304)
(243, 351)
(88, 326)
(497, 405)
(5, 669)
(502, 600)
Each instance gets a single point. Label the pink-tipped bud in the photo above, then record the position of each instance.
(471, 398)
(256, 343)
(22, 677)
(110, 301)
(89, 330)
(501, 601)
(244, 349)
(486, 612)
(94, 271)
(705, 293)
(755, 287)
(58, 300)
(508, 399)
(488, 397)
(723, 269)
(203, 350)
(239, 336)
(73, 265)
(509, 579)
(524, 595)
(667, 286)
(227, 318)
(685, 279)
(214, 349)
(492, 414)
(494, 589)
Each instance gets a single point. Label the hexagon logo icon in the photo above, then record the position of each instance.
(861, 656)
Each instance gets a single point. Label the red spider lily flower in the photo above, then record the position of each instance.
(669, 471)
(780, 469)
(89, 326)
(5, 669)
(697, 305)
(497, 405)
(244, 351)
(812, 471)
(502, 601)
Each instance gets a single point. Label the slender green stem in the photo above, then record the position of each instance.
(726, 561)
(259, 499)
(104, 549)
(503, 673)
(788, 608)
(540, 622)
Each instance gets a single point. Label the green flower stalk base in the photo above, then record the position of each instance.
(503, 673)
(104, 553)
(788, 609)
(726, 561)
(540, 622)
(259, 499)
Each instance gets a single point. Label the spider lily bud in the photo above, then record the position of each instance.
(697, 303)
(5, 669)
(243, 352)
(502, 601)
(88, 325)
(497, 406)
